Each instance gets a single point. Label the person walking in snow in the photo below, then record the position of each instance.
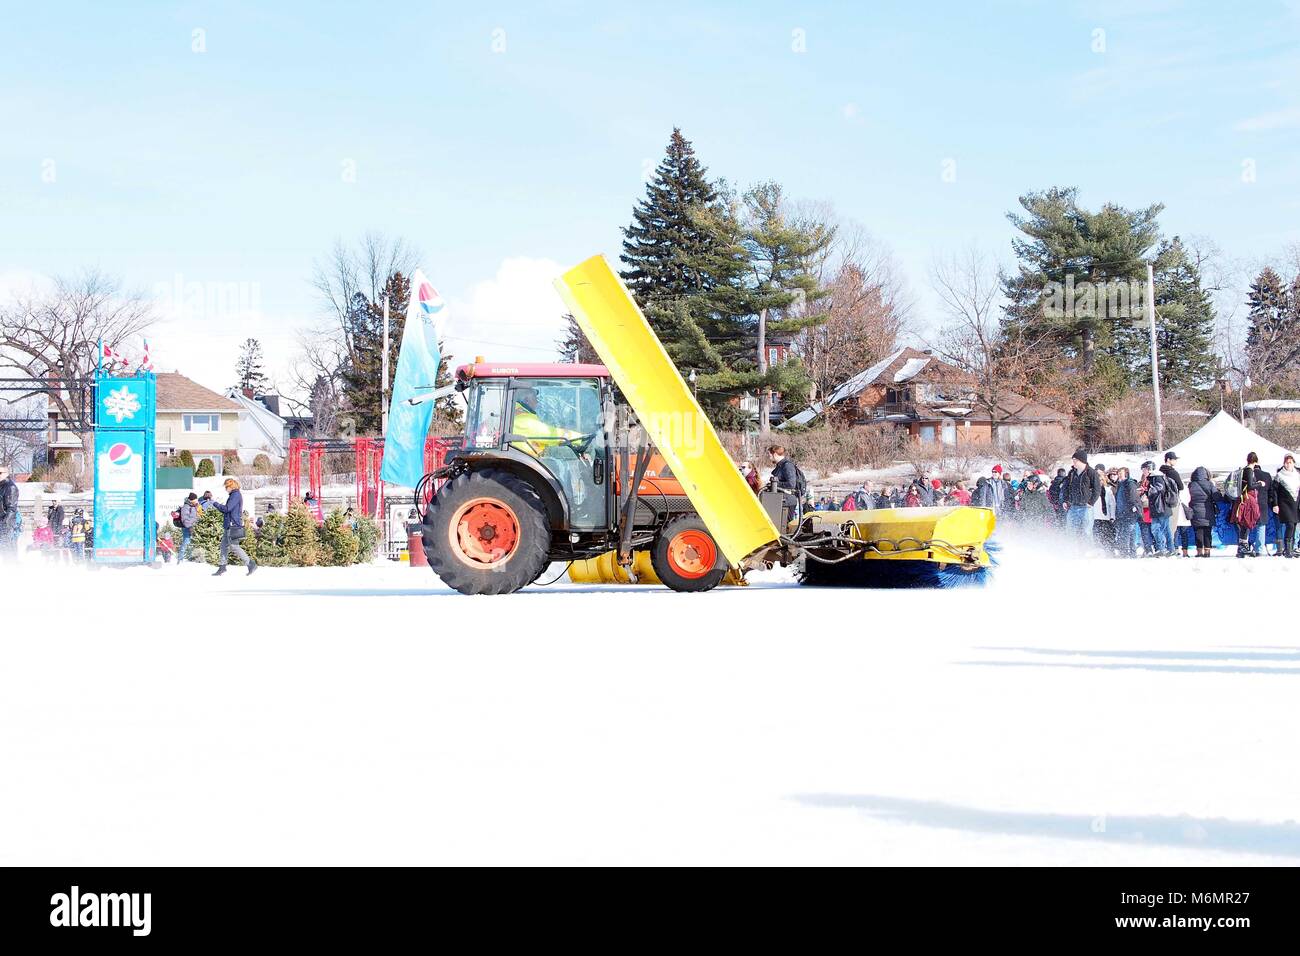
(232, 528)
(8, 515)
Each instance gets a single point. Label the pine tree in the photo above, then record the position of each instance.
(574, 347)
(704, 265)
(364, 328)
(301, 542)
(687, 269)
(1063, 245)
(785, 293)
(249, 373)
(1184, 326)
(1272, 348)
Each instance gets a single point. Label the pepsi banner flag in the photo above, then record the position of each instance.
(410, 411)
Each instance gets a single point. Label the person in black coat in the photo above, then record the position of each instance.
(1081, 491)
(1285, 503)
(1204, 507)
(1128, 512)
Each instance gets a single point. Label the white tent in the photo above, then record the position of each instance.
(1222, 444)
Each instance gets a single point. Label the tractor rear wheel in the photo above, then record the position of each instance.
(685, 556)
(486, 532)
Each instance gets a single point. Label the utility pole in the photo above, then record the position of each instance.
(1155, 357)
(383, 377)
(764, 397)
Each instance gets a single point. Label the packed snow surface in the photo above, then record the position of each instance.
(1077, 711)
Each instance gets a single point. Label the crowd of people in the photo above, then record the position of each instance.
(1111, 511)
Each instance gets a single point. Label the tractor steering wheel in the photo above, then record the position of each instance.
(579, 445)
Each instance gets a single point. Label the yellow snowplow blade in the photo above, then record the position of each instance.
(606, 570)
(666, 408)
(962, 531)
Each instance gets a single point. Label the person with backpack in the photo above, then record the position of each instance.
(1251, 512)
(1174, 488)
(77, 535)
(1154, 491)
(187, 516)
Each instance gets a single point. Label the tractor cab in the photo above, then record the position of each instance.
(548, 419)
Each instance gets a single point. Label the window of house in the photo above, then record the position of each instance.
(216, 460)
(773, 355)
(926, 434)
(201, 423)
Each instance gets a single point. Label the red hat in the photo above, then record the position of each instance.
(997, 469)
(936, 484)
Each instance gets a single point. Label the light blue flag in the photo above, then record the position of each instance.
(417, 375)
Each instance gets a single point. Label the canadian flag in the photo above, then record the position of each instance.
(146, 363)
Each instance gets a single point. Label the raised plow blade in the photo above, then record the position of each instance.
(899, 548)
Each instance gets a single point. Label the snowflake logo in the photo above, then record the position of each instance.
(121, 403)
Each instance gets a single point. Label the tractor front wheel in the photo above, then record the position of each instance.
(486, 532)
(685, 556)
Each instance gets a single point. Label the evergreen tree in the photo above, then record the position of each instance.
(1065, 246)
(301, 541)
(704, 266)
(364, 329)
(1184, 326)
(1272, 347)
(784, 291)
(574, 347)
(248, 368)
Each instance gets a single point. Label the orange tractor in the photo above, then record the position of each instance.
(555, 468)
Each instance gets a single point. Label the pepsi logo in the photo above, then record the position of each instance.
(429, 299)
(120, 453)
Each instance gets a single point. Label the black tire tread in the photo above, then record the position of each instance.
(530, 559)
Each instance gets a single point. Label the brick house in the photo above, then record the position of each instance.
(934, 401)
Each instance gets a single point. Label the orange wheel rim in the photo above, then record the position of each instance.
(692, 554)
(484, 532)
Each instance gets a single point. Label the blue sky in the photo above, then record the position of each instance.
(504, 165)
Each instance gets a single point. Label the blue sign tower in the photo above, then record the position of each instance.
(125, 468)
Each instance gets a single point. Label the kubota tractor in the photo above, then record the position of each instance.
(555, 468)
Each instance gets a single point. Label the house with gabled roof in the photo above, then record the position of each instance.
(194, 418)
(934, 401)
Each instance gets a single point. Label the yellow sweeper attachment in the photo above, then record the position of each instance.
(900, 547)
(666, 408)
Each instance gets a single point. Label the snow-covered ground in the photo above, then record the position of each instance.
(1074, 712)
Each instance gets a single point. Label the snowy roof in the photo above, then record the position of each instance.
(955, 411)
(1222, 444)
(910, 369)
(1274, 405)
(854, 385)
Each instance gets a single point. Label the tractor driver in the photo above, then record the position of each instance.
(540, 434)
(544, 440)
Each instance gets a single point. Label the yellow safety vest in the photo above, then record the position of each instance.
(548, 436)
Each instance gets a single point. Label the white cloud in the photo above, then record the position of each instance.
(1279, 119)
(515, 315)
